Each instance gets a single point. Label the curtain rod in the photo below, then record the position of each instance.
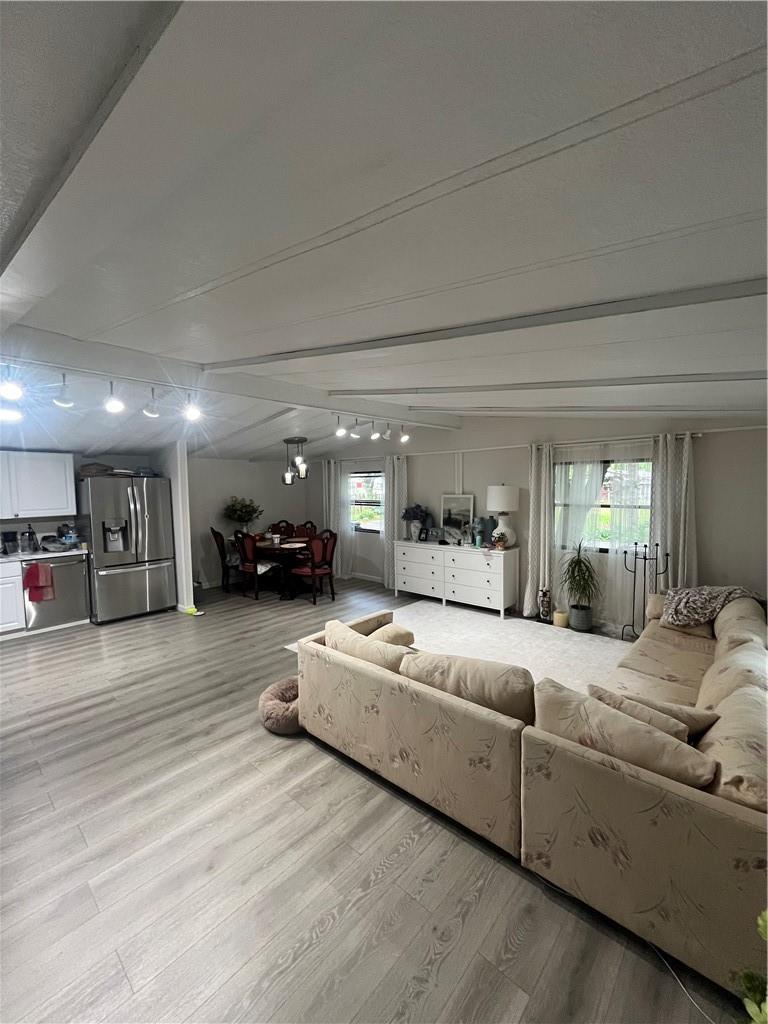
(588, 440)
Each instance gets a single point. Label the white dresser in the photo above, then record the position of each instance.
(487, 579)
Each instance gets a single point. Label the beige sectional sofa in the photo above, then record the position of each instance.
(683, 867)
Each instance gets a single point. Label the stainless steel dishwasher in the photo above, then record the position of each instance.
(70, 602)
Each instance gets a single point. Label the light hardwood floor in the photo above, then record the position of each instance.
(166, 859)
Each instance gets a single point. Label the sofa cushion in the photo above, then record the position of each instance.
(593, 724)
(744, 666)
(680, 639)
(640, 712)
(654, 608)
(672, 659)
(738, 742)
(627, 681)
(702, 629)
(742, 631)
(696, 720)
(491, 684)
(743, 609)
(340, 637)
(393, 634)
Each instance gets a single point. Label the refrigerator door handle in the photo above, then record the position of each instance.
(134, 568)
(138, 515)
(134, 521)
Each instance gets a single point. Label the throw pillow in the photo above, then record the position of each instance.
(393, 634)
(340, 637)
(492, 684)
(640, 712)
(747, 665)
(696, 720)
(591, 723)
(655, 607)
(738, 741)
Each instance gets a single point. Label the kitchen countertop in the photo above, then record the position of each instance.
(39, 556)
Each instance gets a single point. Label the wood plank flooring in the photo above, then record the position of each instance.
(166, 859)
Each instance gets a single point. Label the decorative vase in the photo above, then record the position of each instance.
(581, 618)
(545, 605)
(560, 619)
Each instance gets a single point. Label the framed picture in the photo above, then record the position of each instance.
(456, 515)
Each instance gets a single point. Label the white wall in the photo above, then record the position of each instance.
(213, 481)
(171, 462)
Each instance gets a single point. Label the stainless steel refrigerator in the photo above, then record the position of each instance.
(128, 523)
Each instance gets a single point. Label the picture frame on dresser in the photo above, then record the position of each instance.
(457, 512)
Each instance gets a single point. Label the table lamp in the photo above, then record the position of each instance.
(501, 500)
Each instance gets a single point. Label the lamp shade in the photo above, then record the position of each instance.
(502, 498)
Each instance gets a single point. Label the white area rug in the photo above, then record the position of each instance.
(574, 659)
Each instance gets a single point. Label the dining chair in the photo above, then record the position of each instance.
(229, 560)
(307, 529)
(321, 549)
(283, 527)
(250, 563)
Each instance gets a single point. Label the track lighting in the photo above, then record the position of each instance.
(150, 409)
(404, 438)
(113, 404)
(387, 433)
(11, 390)
(191, 411)
(63, 399)
(10, 415)
(375, 434)
(354, 433)
(340, 431)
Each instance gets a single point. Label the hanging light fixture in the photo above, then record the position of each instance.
(63, 398)
(387, 433)
(354, 432)
(375, 434)
(295, 466)
(191, 411)
(11, 390)
(150, 409)
(298, 458)
(112, 403)
(340, 431)
(303, 471)
(404, 438)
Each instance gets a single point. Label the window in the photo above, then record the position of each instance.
(366, 500)
(608, 504)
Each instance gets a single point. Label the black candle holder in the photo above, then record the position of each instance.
(650, 574)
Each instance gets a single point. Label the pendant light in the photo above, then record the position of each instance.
(112, 403)
(303, 471)
(150, 409)
(62, 398)
(295, 466)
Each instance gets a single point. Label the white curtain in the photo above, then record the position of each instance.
(336, 510)
(540, 526)
(673, 518)
(395, 500)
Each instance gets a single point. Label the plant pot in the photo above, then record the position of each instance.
(580, 618)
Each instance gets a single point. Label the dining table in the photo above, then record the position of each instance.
(285, 553)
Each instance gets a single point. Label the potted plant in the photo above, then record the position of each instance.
(243, 511)
(416, 517)
(580, 582)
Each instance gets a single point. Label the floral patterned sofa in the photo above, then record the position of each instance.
(684, 868)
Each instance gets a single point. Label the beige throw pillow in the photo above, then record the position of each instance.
(391, 633)
(593, 724)
(640, 712)
(738, 741)
(747, 665)
(340, 637)
(696, 720)
(507, 689)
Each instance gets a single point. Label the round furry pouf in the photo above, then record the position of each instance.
(279, 706)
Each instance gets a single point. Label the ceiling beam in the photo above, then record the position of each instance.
(241, 432)
(544, 318)
(21, 344)
(558, 385)
(616, 410)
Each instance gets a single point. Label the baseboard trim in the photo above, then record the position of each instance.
(365, 576)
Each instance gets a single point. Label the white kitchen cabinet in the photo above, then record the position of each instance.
(37, 484)
(11, 598)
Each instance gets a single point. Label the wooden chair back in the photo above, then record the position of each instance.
(307, 529)
(283, 527)
(221, 545)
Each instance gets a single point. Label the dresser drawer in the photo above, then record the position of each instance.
(473, 595)
(422, 570)
(484, 580)
(429, 554)
(418, 585)
(481, 561)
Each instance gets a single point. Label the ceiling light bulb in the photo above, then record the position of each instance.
(404, 438)
(11, 390)
(288, 476)
(298, 459)
(191, 411)
(375, 434)
(63, 399)
(113, 404)
(303, 471)
(353, 433)
(340, 431)
(150, 409)
(387, 433)
(10, 415)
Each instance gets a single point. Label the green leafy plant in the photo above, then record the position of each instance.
(579, 579)
(753, 985)
(242, 510)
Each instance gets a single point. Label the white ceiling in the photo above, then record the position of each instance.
(281, 177)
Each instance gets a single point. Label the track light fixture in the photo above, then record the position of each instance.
(10, 415)
(404, 438)
(191, 411)
(112, 403)
(150, 409)
(340, 431)
(375, 434)
(63, 398)
(354, 433)
(387, 433)
(11, 390)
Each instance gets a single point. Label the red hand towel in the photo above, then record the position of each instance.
(38, 580)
